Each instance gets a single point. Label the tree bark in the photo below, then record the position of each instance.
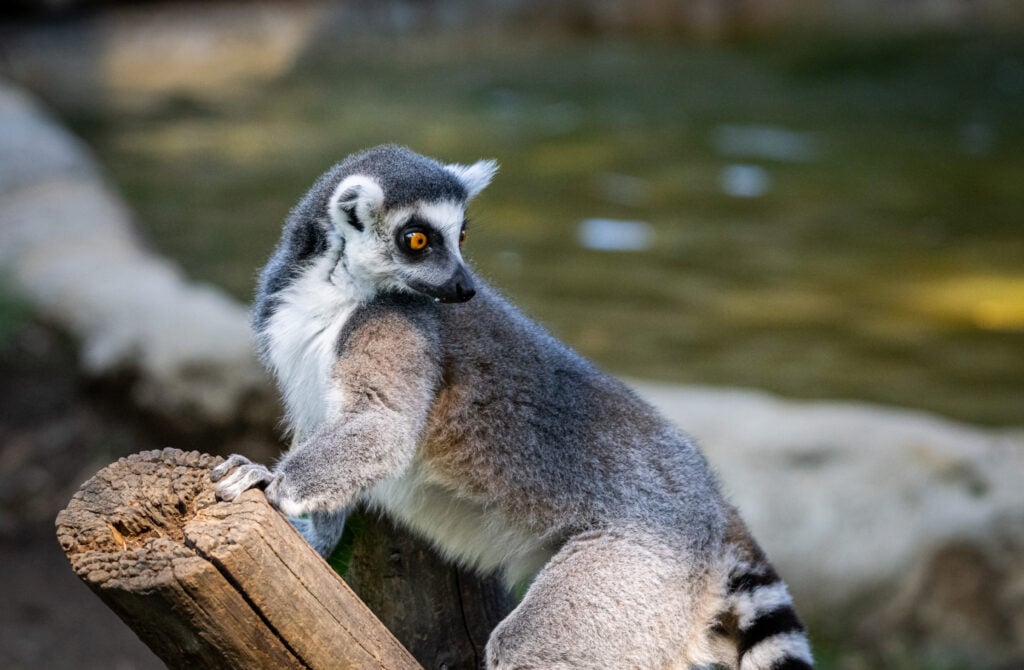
(209, 584)
(442, 614)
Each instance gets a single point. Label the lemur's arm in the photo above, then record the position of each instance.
(383, 382)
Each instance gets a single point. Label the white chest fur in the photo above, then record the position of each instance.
(303, 336)
(464, 530)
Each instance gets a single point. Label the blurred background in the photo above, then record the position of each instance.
(823, 200)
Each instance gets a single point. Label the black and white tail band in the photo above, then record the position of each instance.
(771, 636)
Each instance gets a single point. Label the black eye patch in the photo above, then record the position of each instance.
(417, 237)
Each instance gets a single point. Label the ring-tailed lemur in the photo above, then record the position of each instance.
(474, 427)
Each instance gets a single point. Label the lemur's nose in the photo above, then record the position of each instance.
(459, 288)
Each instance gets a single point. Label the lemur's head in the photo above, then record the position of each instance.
(400, 220)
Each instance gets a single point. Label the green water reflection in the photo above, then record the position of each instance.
(884, 260)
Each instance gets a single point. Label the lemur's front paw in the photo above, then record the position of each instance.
(238, 474)
(283, 496)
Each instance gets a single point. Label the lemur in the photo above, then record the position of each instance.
(413, 387)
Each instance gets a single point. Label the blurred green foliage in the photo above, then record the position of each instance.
(341, 556)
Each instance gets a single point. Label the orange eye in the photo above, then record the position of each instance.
(416, 240)
(462, 238)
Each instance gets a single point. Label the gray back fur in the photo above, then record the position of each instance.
(573, 447)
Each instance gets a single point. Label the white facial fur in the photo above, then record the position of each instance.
(446, 216)
(370, 257)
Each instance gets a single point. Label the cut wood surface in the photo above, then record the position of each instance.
(209, 584)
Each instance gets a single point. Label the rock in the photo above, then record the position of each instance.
(964, 598)
(67, 242)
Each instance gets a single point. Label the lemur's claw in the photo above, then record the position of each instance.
(229, 464)
(238, 474)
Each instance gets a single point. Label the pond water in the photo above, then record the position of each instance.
(820, 219)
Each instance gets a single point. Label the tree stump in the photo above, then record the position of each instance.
(208, 584)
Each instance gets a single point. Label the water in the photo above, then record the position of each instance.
(881, 256)
(615, 235)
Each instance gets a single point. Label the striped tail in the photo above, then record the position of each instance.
(770, 635)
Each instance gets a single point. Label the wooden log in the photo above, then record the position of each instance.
(208, 584)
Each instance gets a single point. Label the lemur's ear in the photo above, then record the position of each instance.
(474, 177)
(355, 202)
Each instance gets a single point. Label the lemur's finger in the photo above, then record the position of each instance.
(241, 480)
(233, 461)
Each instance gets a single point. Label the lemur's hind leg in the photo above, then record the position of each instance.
(611, 599)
